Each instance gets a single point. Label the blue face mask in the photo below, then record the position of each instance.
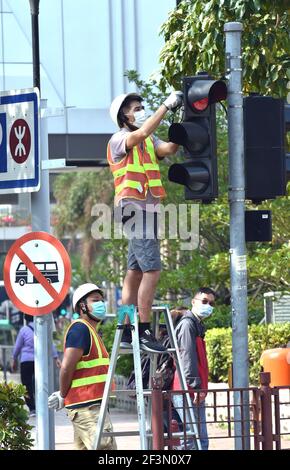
(98, 310)
(205, 311)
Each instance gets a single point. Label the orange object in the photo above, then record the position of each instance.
(277, 362)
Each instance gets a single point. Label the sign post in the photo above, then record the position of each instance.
(41, 221)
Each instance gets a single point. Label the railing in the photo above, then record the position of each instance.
(256, 418)
(122, 398)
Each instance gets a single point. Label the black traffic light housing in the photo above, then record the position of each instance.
(197, 134)
(265, 120)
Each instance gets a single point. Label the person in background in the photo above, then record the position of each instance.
(190, 332)
(84, 370)
(24, 347)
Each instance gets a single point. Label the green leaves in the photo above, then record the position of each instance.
(14, 427)
(261, 337)
(200, 24)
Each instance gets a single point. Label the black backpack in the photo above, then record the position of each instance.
(165, 368)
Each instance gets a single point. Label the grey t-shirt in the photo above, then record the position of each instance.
(118, 151)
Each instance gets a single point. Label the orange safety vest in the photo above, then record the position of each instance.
(91, 371)
(137, 172)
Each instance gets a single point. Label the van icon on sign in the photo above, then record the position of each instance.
(48, 269)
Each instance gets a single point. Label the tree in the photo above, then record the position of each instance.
(194, 41)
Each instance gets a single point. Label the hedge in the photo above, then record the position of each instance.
(219, 348)
(261, 337)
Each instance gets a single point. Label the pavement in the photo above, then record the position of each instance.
(122, 421)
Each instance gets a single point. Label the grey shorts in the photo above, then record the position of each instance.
(144, 255)
(144, 247)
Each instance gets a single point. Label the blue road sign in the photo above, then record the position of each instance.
(3, 144)
(19, 141)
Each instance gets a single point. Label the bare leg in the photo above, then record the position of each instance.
(131, 285)
(130, 289)
(146, 294)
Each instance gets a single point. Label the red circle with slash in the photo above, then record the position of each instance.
(16, 250)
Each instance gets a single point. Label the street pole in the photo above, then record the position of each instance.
(41, 222)
(238, 265)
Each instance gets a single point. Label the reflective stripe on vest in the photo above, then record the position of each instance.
(94, 363)
(154, 183)
(129, 184)
(96, 379)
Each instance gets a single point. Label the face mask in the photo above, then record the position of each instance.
(204, 311)
(98, 310)
(140, 117)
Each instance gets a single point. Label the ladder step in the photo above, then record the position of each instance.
(130, 351)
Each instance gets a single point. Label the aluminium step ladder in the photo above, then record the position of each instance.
(144, 422)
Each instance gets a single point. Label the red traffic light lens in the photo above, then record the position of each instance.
(200, 105)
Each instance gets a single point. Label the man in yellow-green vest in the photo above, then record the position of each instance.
(84, 370)
(133, 154)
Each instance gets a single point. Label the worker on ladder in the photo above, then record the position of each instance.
(133, 154)
(84, 370)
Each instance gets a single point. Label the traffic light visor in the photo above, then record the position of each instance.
(195, 176)
(203, 93)
(191, 135)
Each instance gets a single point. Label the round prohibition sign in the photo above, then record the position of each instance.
(17, 251)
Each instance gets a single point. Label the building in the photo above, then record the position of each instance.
(85, 48)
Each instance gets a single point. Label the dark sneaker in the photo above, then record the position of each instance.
(126, 340)
(149, 343)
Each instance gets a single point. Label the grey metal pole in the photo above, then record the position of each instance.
(238, 265)
(43, 324)
(41, 222)
(34, 10)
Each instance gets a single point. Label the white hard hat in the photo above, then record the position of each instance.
(84, 290)
(117, 103)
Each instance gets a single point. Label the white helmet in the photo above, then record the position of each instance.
(117, 103)
(84, 290)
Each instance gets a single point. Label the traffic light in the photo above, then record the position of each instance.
(264, 145)
(197, 134)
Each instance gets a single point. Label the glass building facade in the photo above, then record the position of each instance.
(85, 48)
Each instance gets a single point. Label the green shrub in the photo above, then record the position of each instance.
(219, 348)
(261, 337)
(14, 428)
(219, 353)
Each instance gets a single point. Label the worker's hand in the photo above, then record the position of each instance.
(14, 365)
(174, 100)
(56, 401)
